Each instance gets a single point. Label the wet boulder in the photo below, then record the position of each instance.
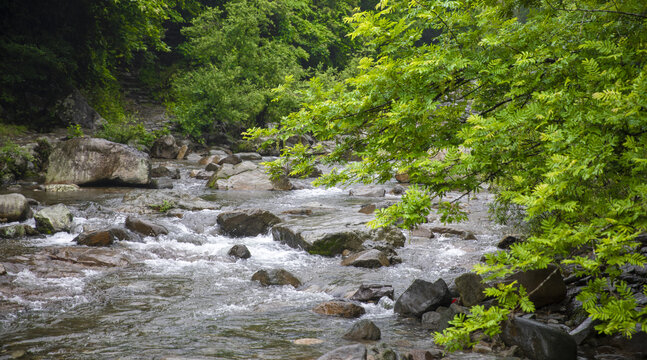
(422, 296)
(332, 241)
(370, 192)
(97, 161)
(340, 308)
(508, 241)
(14, 207)
(350, 352)
(145, 227)
(545, 286)
(61, 188)
(278, 277)
(470, 288)
(371, 259)
(17, 231)
(74, 109)
(249, 156)
(165, 147)
(466, 235)
(230, 159)
(53, 219)
(251, 222)
(363, 330)
(90, 257)
(539, 341)
(439, 319)
(104, 237)
(239, 252)
(161, 171)
(372, 293)
(255, 180)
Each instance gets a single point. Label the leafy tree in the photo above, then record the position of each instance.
(242, 49)
(542, 102)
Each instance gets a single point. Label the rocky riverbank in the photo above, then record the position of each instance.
(205, 240)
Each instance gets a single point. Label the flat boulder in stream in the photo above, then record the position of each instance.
(97, 161)
(332, 241)
(251, 222)
(372, 293)
(145, 227)
(372, 258)
(345, 309)
(278, 277)
(104, 237)
(422, 296)
(14, 207)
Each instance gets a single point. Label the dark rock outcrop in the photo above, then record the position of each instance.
(165, 148)
(421, 297)
(552, 290)
(250, 222)
(539, 341)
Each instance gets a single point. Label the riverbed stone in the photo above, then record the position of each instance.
(278, 277)
(349, 352)
(90, 257)
(103, 237)
(371, 192)
(14, 207)
(508, 241)
(181, 154)
(53, 219)
(466, 235)
(552, 291)
(239, 251)
(439, 319)
(255, 180)
(539, 341)
(345, 309)
(230, 159)
(363, 330)
(332, 241)
(85, 161)
(250, 222)
(371, 259)
(165, 147)
(212, 167)
(17, 231)
(372, 293)
(161, 171)
(470, 288)
(249, 156)
(145, 227)
(422, 296)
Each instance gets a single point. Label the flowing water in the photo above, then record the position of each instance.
(181, 296)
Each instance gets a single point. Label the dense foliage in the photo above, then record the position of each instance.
(542, 102)
(241, 50)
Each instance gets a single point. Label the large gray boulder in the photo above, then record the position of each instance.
(421, 297)
(97, 161)
(245, 176)
(145, 227)
(249, 222)
(53, 219)
(332, 241)
(539, 341)
(14, 207)
(17, 231)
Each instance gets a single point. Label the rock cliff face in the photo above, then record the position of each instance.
(87, 161)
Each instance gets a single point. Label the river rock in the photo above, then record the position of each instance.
(276, 277)
(368, 209)
(212, 167)
(74, 109)
(333, 241)
(249, 156)
(421, 297)
(17, 231)
(14, 207)
(439, 319)
(339, 308)
(181, 154)
(421, 354)
(402, 177)
(367, 192)
(539, 341)
(95, 161)
(90, 257)
(239, 252)
(363, 330)
(104, 237)
(3, 271)
(165, 148)
(161, 184)
(145, 201)
(204, 175)
(371, 259)
(53, 219)
(145, 227)
(61, 188)
(251, 222)
(350, 352)
(372, 293)
(470, 288)
(161, 171)
(507, 241)
(255, 180)
(230, 159)
(582, 331)
(551, 292)
(466, 235)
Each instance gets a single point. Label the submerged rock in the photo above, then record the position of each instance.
(371, 259)
(350, 352)
(239, 252)
(14, 207)
(276, 277)
(252, 222)
(539, 341)
(145, 227)
(53, 219)
(363, 330)
(372, 293)
(340, 308)
(104, 237)
(95, 161)
(421, 297)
